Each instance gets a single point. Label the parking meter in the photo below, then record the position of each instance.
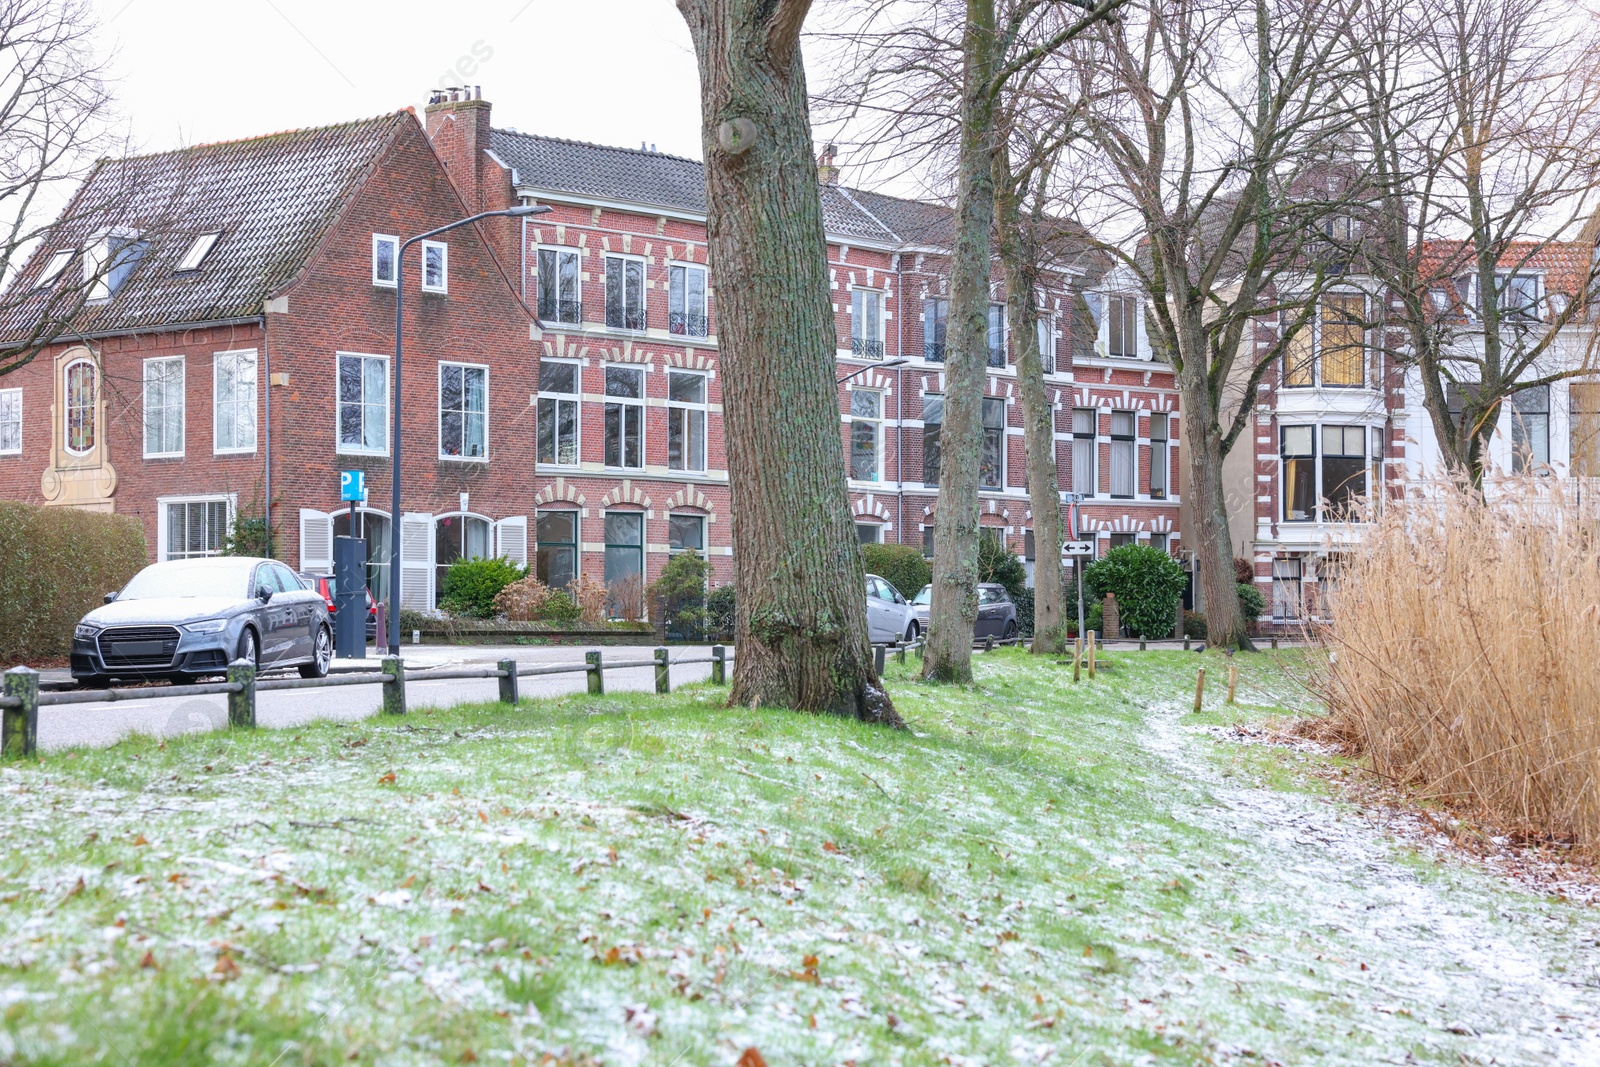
(350, 597)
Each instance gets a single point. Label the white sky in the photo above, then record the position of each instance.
(611, 71)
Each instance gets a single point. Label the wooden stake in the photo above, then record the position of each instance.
(1199, 690)
(1077, 658)
(1233, 680)
(1091, 655)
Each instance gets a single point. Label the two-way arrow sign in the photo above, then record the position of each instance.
(1077, 548)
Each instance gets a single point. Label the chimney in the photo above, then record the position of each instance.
(827, 173)
(457, 121)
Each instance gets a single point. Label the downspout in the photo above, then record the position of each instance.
(522, 253)
(266, 373)
(899, 400)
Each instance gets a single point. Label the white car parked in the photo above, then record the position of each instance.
(889, 617)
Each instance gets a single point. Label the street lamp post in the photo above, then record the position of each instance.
(394, 445)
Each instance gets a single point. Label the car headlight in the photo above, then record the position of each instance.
(85, 631)
(210, 626)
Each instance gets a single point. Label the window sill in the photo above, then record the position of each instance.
(234, 451)
(481, 460)
(361, 453)
(163, 455)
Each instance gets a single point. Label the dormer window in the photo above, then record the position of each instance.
(198, 251)
(1122, 323)
(1519, 295)
(52, 270)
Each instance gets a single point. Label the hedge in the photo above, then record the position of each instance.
(56, 564)
(902, 566)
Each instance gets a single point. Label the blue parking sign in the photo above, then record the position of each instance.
(353, 486)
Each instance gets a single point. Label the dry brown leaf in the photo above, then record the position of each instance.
(751, 1057)
(148, 961)
(387, 779)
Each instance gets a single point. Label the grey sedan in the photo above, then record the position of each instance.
(997, 612)
(192, 617)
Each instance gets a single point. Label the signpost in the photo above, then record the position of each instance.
(1074, 551)
(352, 486)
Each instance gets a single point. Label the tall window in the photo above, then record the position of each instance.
(558, 412)
(1344, 469)
(556, 557)
(686, 533)
(1124, 468)
(1299, 457)
(10, 422)
(1083, 451)
(385, 255)
(866, 413)
(686, 421)
(233, 386)
(81, 388)
(866, 323)
(624, 546)
(686, 300)
(624, 293)
(1331, 350)
(458, 537)
(1585, 427)
(927, 542)
(624, 417)
(1286, 591)
(935, 324)
(163, 406)
(1159, 459)
(1047, 344)
(1122, 325)
(932, 421)
(195, 528)
(997, 335)
(1530, 430)
(992, 464)
(435, 267)
(363, 404)
(1375, 467)
(463, 411)
(560, 295)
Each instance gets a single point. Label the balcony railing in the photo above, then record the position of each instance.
(933, 351)
(624, 319)
(563, 312)
(687, 325)
(860, 346)
(997, 357)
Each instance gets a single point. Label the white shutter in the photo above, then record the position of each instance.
(416, 562)
(316, 542)
(511, 539)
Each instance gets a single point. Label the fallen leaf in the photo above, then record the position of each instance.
(482, 816)
(77, 887)
(148, 961)
(829, 846)
(468, 1057)
(408, 882)
(751, 1057)
(226, 967)
(387, 779)
(139, 840)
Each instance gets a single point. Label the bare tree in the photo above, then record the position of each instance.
(1482, 121)
(55, 119)
(1209, 141)
(801, 619)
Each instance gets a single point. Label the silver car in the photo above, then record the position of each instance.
(889, 617)
(192, 617)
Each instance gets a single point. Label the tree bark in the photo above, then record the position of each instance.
(1208, 503)
(1019, 259)
(953, 614)
(801, 627)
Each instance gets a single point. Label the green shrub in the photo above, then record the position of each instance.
(901, 565)
(470, 585)
(1093, 616)
(1001, 566)
(1251, 603)
(560, 608)
(1024, 602)
(1194, 625)
(56, 564)
(682, 589)
(719, 610)
(1147, 582)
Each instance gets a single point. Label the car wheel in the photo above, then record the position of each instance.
(911, 633)
(249, 649)
(1011, 630)
(321, 655)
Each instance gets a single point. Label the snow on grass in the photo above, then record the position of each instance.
(1035, 872)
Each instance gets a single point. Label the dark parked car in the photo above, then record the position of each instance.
(997, 614)
(193, 617)
(325, 586)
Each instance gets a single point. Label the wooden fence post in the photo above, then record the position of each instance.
(988, 644)
(394, 686)
(1091, 655)
(1199, 690)
(242, 704)
(900, 653)
(508, 682)
(597, 672)
(1141, 644)
(1233, 680)
(19, 727)
(878, 658)
(719, 665)
(663, 672)
(1077, 657)
(1274, 644)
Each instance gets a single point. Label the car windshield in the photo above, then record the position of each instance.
(990, 595)
(925, 596)
(190, 578)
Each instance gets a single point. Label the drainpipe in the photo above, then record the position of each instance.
(266, 373)
(899, 400)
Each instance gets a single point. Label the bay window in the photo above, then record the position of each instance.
(1327, 463)
(1344, 469)
(1298, 454)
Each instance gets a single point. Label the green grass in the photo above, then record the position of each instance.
(1035, 872)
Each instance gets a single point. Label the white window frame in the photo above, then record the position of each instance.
(15, 397)
(199, 249)
(705, 544)
(877, 435)
(1090, 440)
(394, 243)
(674, 266)
(217, 401)
(338, 403)
(1111, 299)
(1045, 327)
(558, 251)
(1005, 441)
(56, 266)
(624, 401)
(145, 409)
(443, 285)
(861, 297)
(162, 527)
(704, 408)
(575, 398)
(484, 367)
(644, 291)
(1127, 446)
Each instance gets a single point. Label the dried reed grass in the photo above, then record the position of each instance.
(1465, 644)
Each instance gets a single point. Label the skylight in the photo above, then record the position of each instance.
(53, 269)
(198, 251)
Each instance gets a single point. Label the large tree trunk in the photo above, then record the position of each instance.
(947, 655)
(1019, 258)
(801, 615)
(1211, 538)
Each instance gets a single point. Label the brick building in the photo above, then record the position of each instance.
(243, 356)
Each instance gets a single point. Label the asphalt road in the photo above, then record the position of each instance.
(101, 724)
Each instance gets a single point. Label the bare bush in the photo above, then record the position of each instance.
(627, 598)
(591, 595)
(1464, 643)
(522, 600)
